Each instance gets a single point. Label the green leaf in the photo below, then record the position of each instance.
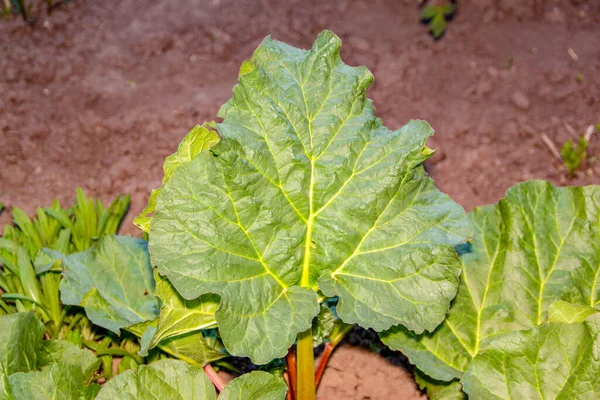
(20, 337)
(552, 361)
(323, 325)
(195, 348)
(179, 316)
(255, 385)
(429, 12)
(539, 245)
(62, 352)
(561, 311)
(437, 25)
(164, 379)
(112, 280)
(307, 190)
(57, 381)
(198, 139)
(439, 390)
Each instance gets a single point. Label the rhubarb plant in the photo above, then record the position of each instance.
(300, 195)
(504, 336)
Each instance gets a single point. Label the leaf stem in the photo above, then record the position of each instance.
(339, 332)
(290, 360)
(214, 377)
(323, 363)
(306, 367)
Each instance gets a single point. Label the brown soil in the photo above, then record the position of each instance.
(100, 92)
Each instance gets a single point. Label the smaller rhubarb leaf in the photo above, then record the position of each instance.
(553, 361)
(112, 281)
(439, 390)
(323, 325)
(255, 385)
(164, 379)
(20, 336)
(198, 139)
(179, 316)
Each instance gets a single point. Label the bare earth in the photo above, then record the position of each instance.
(100, 92)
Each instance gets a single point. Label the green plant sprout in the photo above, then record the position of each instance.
(437, 15)
(573, 155)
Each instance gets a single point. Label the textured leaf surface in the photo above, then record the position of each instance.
(255, 385)
(165, 379)
(112, 281)
(198, 139)
(439, 390)
(20, 336)
(307, 190)
(323, 325)
(179, 316)
(553, 361)
(539, 245)
(63, 352)
(57, 381)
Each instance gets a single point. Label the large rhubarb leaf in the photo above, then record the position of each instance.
(164, 379)
(539, 245)
(112, 281)
(553, 361)
(255, 385)
(308, 190)
(198, 139)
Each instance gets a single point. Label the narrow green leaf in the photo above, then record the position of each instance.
(255, 385)
(112, 281)
(539, 245)
(307, 190)
(165, 379)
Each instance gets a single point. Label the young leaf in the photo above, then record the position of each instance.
(198, 139)
(539, 245)
(552, 361)
(112, 280)
(165, 379)
(439, 390)
(179, 316)
(307, 190)
(20, 337)
(255, 385)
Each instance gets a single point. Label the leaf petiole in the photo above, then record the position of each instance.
(306, 389)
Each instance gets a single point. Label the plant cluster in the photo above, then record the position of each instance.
(281, 227)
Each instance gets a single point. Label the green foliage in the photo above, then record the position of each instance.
(436, 15)
(574, 155)
(554, 360)
(539, 245)
(65, 372)
(308, 191)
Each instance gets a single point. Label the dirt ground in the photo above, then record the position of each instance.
(100, 92)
